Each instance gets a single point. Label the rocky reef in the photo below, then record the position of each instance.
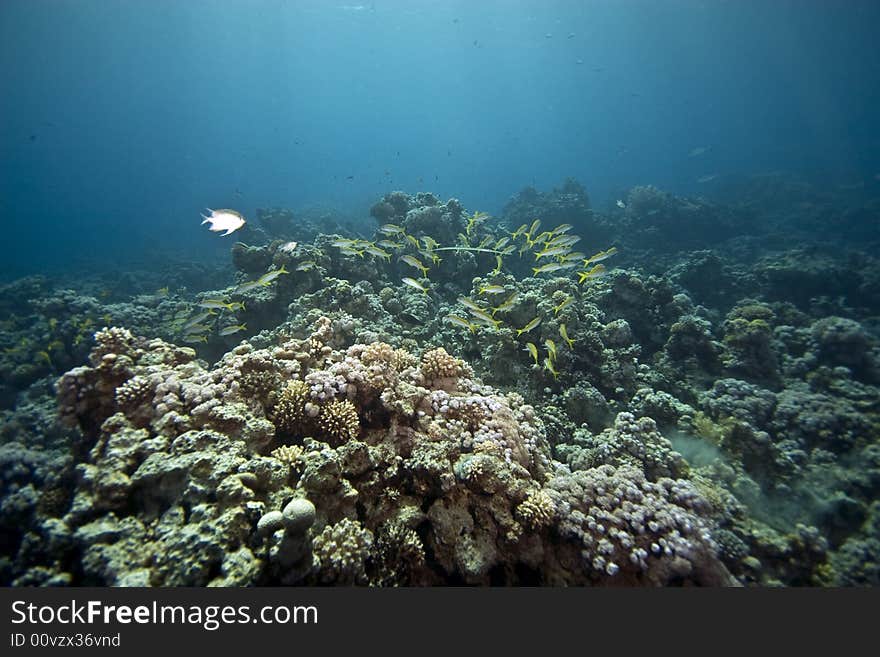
(458, 401)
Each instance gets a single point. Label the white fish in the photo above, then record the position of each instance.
(288, 247)
(708, 178)
(621, 204)
(228, 220)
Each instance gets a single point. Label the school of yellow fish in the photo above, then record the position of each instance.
(553, 251)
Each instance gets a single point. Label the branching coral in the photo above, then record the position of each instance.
(289, 414)
(339, 421)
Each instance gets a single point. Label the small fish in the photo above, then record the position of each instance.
(352, 251)
(596, 272)
(412, 261)
(544, 237)
(551, 349)
(553, 252)
(195, 338)
(500, 244)
(599, 257)
(519, 231)
(269, 277)
(196, 329)
(228, 220)
(536, 224)
(507, 250)
(533, 350)
(430, 242)
(699, 150)
(388, 244)
(376, 251)
(491, 289)
(564, 240)
(413, 283)
(198, 319)
(485, 317)
(564, 304)
(548, 365)
(216, 304)
(232, 330)
(564, 333)
(476, 218)
(550, 266)
(708, 178)
(306, 265)
(162, 292)
(507, 304)
(498, 263)
(247, 287)
(391, 229)
(235, 305)
(469, 303)
(341, 244)
(288, 247)
(620, 204)
(528, 327)
(561, 228)
(461, 321)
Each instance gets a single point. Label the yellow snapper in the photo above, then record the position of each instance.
(228, 220)
(414, 284)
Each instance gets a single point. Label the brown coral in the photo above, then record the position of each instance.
(288, 454)
(537, 510)
(339, 421)
(438, 364)
(289, 414)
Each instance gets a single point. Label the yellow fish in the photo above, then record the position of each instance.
(548, 365)
(461, 321)
(412, 261)
(565, 304)
(485, 317)
(268, 278)
(414, 284)
(533, 350)
(596, 272)
(602, 255)
(528, 327)
(564, 333)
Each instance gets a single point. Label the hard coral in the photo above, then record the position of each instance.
(339, 421)
(341, 551)
(438, 364)
(289, 414)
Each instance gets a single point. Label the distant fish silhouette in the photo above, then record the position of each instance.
(699, 150)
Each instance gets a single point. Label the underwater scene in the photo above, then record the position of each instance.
(502, 293)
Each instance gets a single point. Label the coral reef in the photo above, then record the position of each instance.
(448, 397)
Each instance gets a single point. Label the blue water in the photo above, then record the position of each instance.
(120, 121)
